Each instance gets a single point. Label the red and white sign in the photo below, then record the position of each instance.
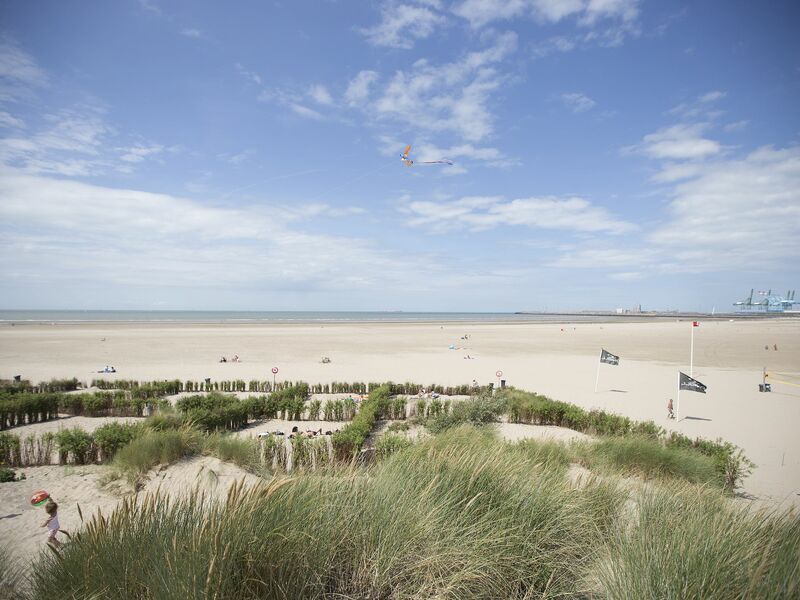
(499, 373)
(274, 370)
(695, 324)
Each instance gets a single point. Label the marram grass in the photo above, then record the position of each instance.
(462, 516)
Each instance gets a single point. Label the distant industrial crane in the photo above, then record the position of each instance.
(770, 302)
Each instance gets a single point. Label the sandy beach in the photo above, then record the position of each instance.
(559, 360)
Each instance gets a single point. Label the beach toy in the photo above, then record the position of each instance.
(40, 498)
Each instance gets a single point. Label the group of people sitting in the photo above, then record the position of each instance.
(423, 393)
(108, 370)
(234, 359)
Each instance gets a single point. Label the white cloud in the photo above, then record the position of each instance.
(62, 232)
(402, 24)
(578, 102)
(249, 75)
(9, 120)
(320, 94)
(138, 153)
(191, 33)
(19, 72)
(449, 97)
(680, 142)
(626, 10)
(722, 215)
(554, 44)
(305, 112)
(730, 210)
(359, 87)
(589, 12)
(150, 6)
(737, 126)
(480, 213)
(712, 96)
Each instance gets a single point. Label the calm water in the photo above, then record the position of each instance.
(180, 316)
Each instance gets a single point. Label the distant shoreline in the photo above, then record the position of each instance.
(121, 317)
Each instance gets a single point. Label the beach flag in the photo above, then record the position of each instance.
(695, 324)
(608, 358)
(687, 383)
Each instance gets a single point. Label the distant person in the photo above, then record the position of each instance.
(474, 383)
(670, 411)
(223, 359)
(775, 347)
(52, 524)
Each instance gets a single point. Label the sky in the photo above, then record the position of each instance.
(199, 155)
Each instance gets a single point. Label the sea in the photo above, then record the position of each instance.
(222, 317)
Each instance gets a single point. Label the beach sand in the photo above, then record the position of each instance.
(559, 360)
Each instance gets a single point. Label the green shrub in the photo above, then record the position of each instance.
(76, 445)
(389, 443)
(110, 438)
(349, 440)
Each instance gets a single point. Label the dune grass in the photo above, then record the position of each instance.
(11, 577)
(458, 516)
(689, 542)
(153, 448)
(647, 458)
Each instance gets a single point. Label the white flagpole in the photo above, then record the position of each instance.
(597, 379)
(678, 405)
(691, 353)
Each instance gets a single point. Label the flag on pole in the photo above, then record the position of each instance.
(695, 324)
(608, 358)
(692, 385)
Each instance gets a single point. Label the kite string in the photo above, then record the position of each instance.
(353, 180)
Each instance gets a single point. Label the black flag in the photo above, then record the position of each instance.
(687, 383)
(608, 358)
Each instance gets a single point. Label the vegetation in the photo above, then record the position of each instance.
(730, 463)
(647, 458)
(457, 517)
(688, 542)
(347, 442)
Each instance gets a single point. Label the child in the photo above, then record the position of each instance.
(52, 524)
(670, 412)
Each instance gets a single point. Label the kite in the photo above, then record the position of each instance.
(408, 161)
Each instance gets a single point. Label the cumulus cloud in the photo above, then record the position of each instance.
(402, 24)
(359, 87)
(719, 211)
(449, 97)
(682, 141)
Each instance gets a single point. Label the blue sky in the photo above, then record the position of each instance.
(207, 155)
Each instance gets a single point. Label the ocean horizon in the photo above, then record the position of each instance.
(228, 316)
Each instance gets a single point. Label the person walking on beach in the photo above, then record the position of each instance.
(52, 524)
(670, 412)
